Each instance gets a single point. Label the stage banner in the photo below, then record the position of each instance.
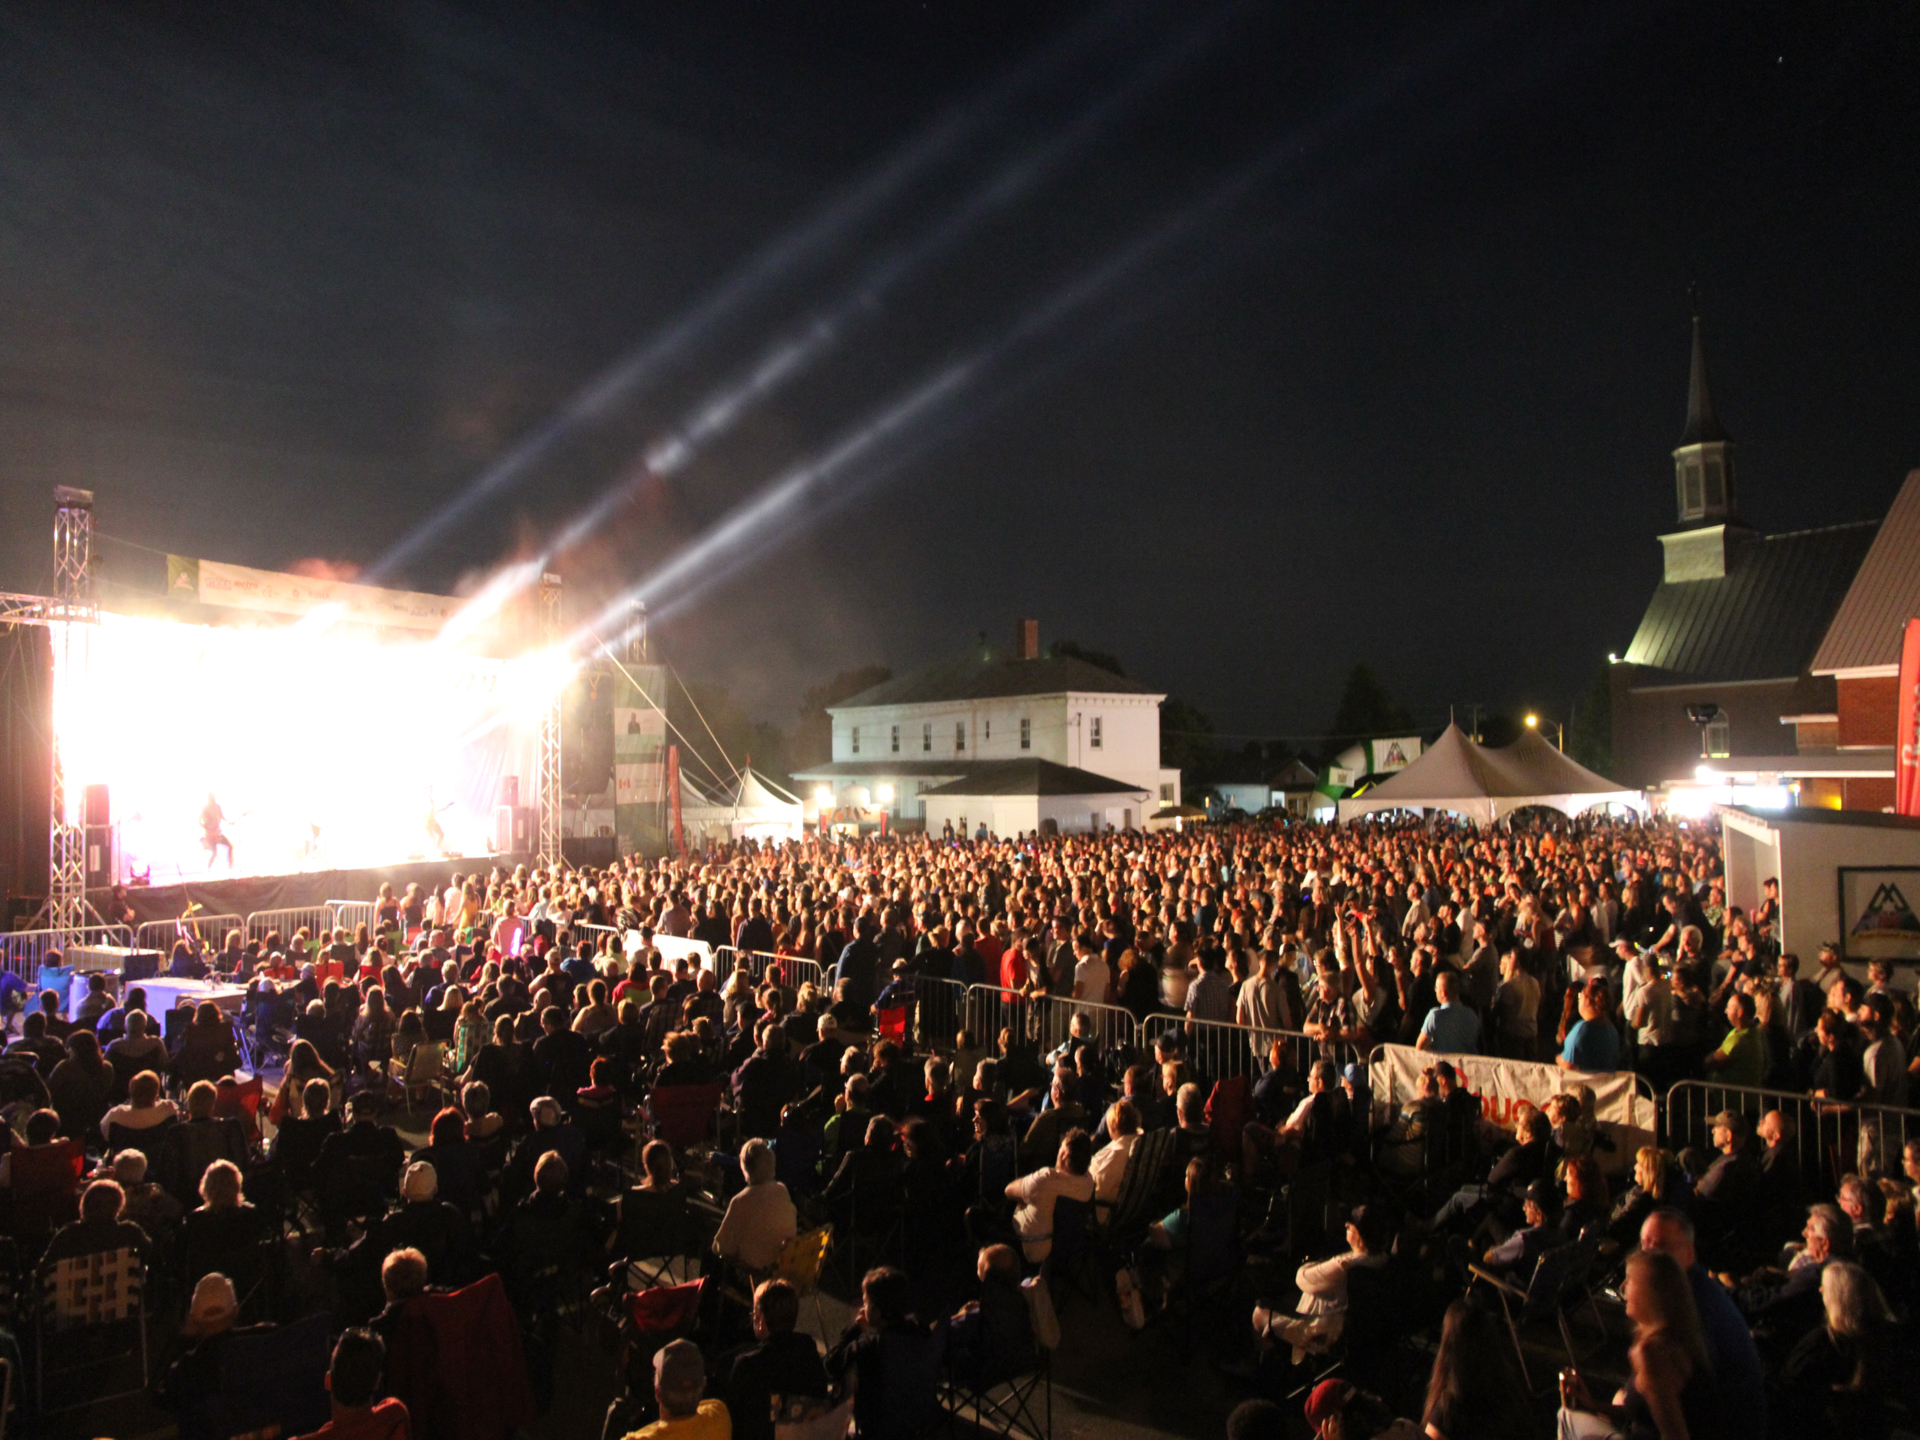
(1502, 1085)
(640, 759)
(673, 800)
(240, 587)
(1906, 800)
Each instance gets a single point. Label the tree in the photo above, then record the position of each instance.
(813, 738)
(1590, 736)
(1072, 650)
(696, 707)
(1366, 710)
(1186, 742)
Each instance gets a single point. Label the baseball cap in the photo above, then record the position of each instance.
(677, 1366)
(1354, 1073)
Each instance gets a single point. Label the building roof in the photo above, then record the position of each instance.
(1885, 593)
(1032, 777)
(1703, 426)
(995, 676)
(881, 766)
(1764, 618)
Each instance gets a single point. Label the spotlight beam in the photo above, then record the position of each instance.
(791, 355)
(811, 241)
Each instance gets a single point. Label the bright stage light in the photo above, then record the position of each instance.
(885, 794)
(323, 750)
(822, 796)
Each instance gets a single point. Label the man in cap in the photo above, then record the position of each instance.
(679, 1380)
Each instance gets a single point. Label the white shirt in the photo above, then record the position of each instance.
(1110, 1166)
(759, 1220)
(1323, 1283)
(1092, 979)
(1033, 1217)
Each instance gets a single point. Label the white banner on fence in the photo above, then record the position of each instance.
(1503, 1085)
(672, 947)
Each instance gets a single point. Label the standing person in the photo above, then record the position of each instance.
(1670, 1390)
(1474, 1392)
(212, 835)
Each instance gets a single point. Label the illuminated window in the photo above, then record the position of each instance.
(1093, 732)
(1719, 739)
(1026, 734)
(959, 736)
(896, 739)
(1166, 794)
(856, 739)
(926, 738)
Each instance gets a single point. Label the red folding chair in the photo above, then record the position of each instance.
(682, 1114)
(46, 1185)
(1227, 1114)
(240, 1100)
(893, 1022)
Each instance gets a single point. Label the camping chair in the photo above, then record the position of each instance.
(1140, 1186)
(1015, 1407)
(1227, 1114)
(1583, 1284)
(656, 1229)
(149, 1140)
(236, 1099)
(90, 1297)
(1071, 1258)
(426, 1069)
(1537, 1302)
(684, 1114)
(891, 1023)
(46, 1186)
(800, 1263)
(1309, 1194)
(272, 1381)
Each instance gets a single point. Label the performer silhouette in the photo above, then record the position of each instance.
(211, 835)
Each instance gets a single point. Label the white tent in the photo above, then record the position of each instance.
(1484, 784)
(749, 809)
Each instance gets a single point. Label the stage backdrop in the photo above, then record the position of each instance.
(324, 750)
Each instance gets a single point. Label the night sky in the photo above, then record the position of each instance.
(1378, 349)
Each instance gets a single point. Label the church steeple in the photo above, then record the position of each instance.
(1703, 463)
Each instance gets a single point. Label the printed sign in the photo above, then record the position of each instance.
(1877, 913)
(240, 587)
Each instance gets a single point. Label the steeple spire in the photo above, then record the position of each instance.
(1703, 426)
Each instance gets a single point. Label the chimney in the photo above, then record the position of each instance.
(1026, 640)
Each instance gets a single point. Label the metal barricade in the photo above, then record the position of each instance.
(1831, 1137)
(212, 930)
(941, 1009)
(1220, 1049)
(314, 918)
(22, 952)
(351, 913)
(789, 972)
(1044, 1022)
(597, 933)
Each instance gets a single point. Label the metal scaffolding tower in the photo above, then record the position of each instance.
(73, 614)
(547, 792)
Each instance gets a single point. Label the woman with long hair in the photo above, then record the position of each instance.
(1835, 1382)
(1656, 1182)
(1475, 1392)
(303, 1064)
(1669, 1393)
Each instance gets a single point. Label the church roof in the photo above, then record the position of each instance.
(994, 676)
(1703, 425)
(1763, 619)
(1868, 626)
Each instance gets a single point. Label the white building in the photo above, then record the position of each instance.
(965, 725)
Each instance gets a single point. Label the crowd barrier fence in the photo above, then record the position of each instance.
(352, 913)
(313, 918)
(1831, 1137)
(789, 972)
(212, 930)
(1221, 1049)
(24, 951)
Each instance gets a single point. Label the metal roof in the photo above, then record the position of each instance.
(1032, 777)
(1763, 619)
(1885, 594)
(994, 676)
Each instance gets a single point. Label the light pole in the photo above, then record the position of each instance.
(1533, 723)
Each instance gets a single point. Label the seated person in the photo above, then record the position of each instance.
(302, 1135)
(991, 1338)
(1307, 1134)
(144, 1109)
(890, 1363)
(100, 1228)
(679, 1381)
(1517, 1254)
(207, 1050)
(139, 1048)
(353, 1386)
(760, 1219)
(1034, 1195)
(1512, 1173)
(192, 1378)
(202, 1138)
(148, 1206)
(224, 1234)
(781, 1363)
(1321, 1313)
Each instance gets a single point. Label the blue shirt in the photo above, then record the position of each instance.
(1736, 1386)
(1452, 1029)
(1592, 1045)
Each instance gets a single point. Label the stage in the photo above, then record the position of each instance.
(245, 894)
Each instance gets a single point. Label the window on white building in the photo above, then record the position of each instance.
(1719, 739)
(1093, 732)
(896, 739)
(1166, 794)
(926, 738)
(856, 739)
(986, 731)
(1026, 734)
(959, 736)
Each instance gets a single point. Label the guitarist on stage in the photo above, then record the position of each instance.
(211, 834)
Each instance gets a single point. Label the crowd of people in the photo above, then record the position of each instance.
(490, 1084)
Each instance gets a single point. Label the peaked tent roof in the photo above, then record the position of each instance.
(1456, 774)
(1867, 628)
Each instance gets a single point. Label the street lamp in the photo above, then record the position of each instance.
(1533, 723)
